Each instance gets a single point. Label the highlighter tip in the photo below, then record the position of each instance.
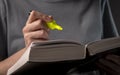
(54, 26)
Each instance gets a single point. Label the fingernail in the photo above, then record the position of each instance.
(50, 16)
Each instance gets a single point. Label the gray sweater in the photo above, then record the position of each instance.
(82, 21)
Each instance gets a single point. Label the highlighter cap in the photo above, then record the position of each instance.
(53, 25)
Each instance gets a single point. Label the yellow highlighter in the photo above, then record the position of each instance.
(53, 25)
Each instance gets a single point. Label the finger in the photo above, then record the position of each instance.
(34, 26)
(40, 34)
(34, 15)
(47, 18)
(43, 16)
(37, 25)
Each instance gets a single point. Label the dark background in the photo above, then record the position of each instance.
(115, 8)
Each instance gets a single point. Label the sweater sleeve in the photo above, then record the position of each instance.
(3, 32)
(109, 27)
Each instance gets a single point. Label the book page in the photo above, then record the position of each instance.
(23, 59)
(103, 45)
(50, 51)
(57, 50)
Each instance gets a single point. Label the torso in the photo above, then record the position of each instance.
(80, 19)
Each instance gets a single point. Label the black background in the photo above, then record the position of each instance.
(115, 8)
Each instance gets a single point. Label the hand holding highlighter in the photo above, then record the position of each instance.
(50, 22)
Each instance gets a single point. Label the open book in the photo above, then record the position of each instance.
(43, 54)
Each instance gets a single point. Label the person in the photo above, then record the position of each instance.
(83, 21)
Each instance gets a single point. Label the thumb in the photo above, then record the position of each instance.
(32, 17)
